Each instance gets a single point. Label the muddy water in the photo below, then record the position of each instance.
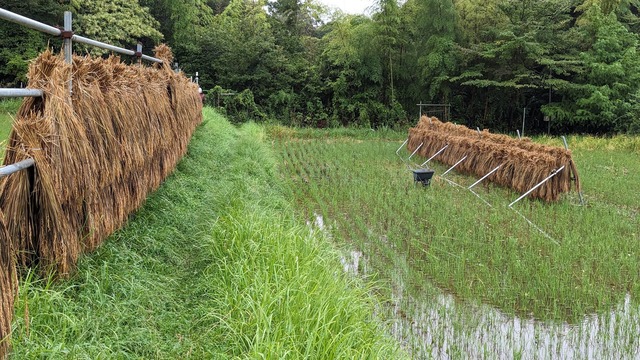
(436, 326)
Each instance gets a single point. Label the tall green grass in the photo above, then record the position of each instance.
(213, 266)
(446, 237)
(8, 109)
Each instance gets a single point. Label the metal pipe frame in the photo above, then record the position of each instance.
(11, 92)
(36, 25)
(484, 177)
(13, 168)
(87, 41)
(32, 24)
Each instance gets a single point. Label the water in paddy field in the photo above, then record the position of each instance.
(440, 327)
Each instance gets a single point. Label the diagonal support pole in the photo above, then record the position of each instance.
(401, 146)
(484, 177)
(434, 155)
(415, 151)
(470, 188)
(454, 166)
(538, 185)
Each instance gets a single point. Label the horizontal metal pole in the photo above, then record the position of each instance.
(11, 92)
(87, 41)
(100, 44)
(36, 25)
(152, 59)
(20, 165)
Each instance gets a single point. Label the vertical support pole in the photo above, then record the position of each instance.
(139, 53)
(197, 78)
(566, 146)
(524, 116)
(67, 43)
(479, 132)
(519, 137)
(68, 51)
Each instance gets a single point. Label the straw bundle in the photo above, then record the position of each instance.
(98, 152)
(524, 163)
(8, 287)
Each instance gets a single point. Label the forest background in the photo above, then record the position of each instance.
(573, 63)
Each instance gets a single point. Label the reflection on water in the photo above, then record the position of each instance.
(439, 327)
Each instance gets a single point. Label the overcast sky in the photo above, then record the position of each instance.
(350, 6)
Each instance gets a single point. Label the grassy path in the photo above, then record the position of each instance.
(211, 267)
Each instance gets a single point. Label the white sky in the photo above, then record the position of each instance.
(350, 6)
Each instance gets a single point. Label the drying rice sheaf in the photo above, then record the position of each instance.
(98, 152)
(8, 287)
(524, 163)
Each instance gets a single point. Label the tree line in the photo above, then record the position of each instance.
(562, 65)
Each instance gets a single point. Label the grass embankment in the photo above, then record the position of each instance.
(445, 236)
(211, 267)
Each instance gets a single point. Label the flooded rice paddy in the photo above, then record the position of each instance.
(437, 326)
(461, 280)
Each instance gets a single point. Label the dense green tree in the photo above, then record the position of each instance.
(181, 22)
(505, 72)
(388, 21)
(18, 44)
(238, 52)
(601, 93)
(351, 70)
(117, 22)
(571, 60)
(432, 51)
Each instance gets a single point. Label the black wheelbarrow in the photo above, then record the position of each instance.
(423, 176)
